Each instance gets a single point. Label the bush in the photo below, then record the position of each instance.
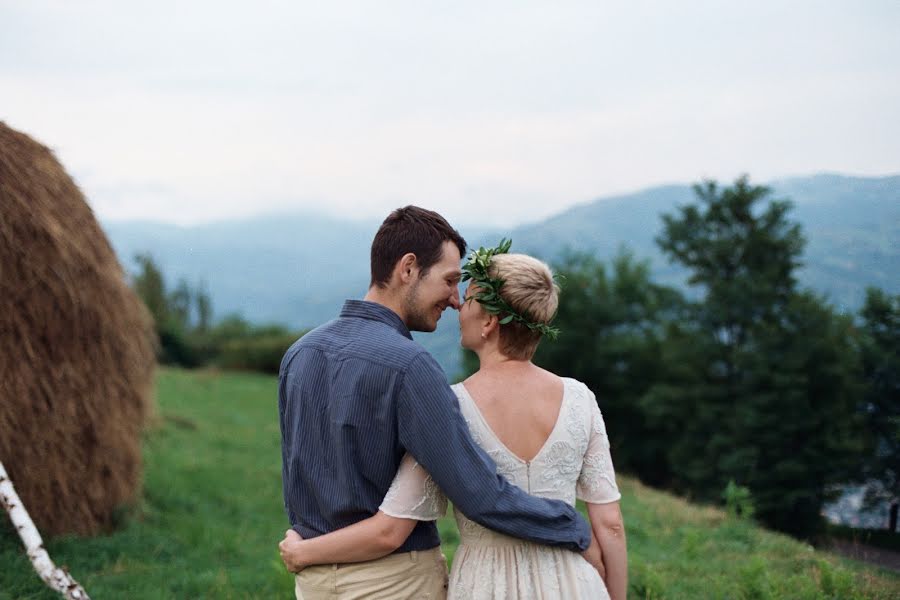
(738, 502)
(178, 348)
(259, 353)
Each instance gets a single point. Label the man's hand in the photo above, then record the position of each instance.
(290, 549)
(595, 557)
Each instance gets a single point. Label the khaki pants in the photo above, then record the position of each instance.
(409, 575)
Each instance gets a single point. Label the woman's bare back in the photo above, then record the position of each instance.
(520, 402)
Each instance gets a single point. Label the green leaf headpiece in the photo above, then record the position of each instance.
(488, 295)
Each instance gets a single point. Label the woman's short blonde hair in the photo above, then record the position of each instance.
(529, 289)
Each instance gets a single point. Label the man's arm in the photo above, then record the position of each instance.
(432, 429)
(282, 407)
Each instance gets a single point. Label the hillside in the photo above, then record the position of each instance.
(297, 269)
(212, 514)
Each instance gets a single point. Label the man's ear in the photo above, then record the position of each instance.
(407, 268)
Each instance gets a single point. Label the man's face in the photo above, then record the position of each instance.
(433, 292)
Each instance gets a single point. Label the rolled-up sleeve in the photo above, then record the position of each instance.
(432, 429)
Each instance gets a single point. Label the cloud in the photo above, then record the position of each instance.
(500, 112)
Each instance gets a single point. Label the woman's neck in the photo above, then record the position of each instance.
(490, 359)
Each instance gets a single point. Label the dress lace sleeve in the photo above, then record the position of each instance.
(414, 494)
(597, 481)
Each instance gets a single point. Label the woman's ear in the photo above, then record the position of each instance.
(490, 324)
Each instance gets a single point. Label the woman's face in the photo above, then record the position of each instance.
(471, 319)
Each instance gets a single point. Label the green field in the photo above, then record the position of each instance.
(211, 517)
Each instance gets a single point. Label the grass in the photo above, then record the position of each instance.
(211, 516)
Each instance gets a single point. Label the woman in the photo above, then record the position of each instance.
(545, 433)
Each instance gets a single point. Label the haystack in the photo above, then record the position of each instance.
(76, 350)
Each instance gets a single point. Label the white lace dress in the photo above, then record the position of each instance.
(573, 462)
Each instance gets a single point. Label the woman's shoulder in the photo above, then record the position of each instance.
(469, 411)
(572, 384)
(579, 391)
(459, 390)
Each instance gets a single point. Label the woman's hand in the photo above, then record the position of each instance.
(291, 551)
(594, 556)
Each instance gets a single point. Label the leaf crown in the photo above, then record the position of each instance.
(488, 295)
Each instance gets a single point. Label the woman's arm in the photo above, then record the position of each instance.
(597, 487)
(609, 529)
(412, 497)
(368, 539)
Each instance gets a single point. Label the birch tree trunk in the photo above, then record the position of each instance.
(56, 578)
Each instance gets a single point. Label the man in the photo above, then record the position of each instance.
(357, 393)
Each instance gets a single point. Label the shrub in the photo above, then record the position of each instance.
(258, 353)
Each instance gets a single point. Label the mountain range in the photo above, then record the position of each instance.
(296, 269)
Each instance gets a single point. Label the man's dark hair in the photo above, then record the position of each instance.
(411, 229)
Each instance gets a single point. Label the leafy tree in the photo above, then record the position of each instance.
(611, 319)
(759, 381)
(188, 337)
(180, 301)
(171, 312)
(803, 386)
(204, 309)
(149, 284)
(880, 350)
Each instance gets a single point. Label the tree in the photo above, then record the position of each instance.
(187, 336)
(759, 381)
(880, 350)
(171, 312)
(803, 386)
(180, 302)
(204, 309)
(57, 579)
(611, 320)
(149, 284)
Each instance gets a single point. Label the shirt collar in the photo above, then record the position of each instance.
(364, 309)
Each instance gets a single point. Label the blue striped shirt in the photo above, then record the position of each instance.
(357, 393)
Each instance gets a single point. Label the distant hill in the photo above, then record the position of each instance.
(852, 226)
(287, 269)
(297, 269)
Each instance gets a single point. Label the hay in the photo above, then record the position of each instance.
(77, 353)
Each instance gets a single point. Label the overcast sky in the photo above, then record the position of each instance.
(493, 112)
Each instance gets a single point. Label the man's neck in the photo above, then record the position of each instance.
(386, 299)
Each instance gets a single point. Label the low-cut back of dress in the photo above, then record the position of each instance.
(574, 462)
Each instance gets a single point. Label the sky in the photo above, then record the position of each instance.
(493, 113)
